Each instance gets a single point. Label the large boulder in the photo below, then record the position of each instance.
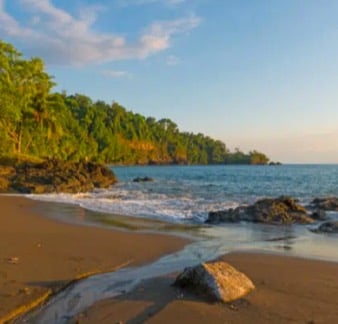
(217, 280)
(327, 203)
(282, 210)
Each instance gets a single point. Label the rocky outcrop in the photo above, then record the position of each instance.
(327, 227)
(218, 281)
(143, 179)
(327, 203)
(54, 176)
(282, 210)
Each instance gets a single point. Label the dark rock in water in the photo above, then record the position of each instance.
(282, 210)
(327, 227)
(319, 215)
(143, 179)
(328, 203)
(216, 280)
(231, 215)
(56, 176)
(275, 163)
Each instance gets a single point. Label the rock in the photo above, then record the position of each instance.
(228, 216)
(56, 176)
(275, 163)
(319, 215)
(328, 203)
(13, 260)
(327, 227)
(6, 170)
(282, 210)
(216, 280)
(4, 183)
(143, 179)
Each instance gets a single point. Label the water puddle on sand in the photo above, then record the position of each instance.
(85, 293)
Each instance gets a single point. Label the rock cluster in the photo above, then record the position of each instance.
(327, 203)
(282, 210)
(217, 280)
(54, 176)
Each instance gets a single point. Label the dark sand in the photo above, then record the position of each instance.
(288, 290)
(50, 254)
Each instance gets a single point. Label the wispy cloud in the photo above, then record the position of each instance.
(116, 74)
(172, 60)
(146, 2)
(158, 36)
(9, 26)
(62, 38)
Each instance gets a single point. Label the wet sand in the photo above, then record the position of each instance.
(51, 253)
(288, 290)
(39, 255)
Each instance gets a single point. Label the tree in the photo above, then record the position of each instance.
(258, 158)
(24, 88)
(42, 124)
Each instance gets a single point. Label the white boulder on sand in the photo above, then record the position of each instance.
(217, 280)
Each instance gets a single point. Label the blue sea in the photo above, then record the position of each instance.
(185, 195)
(188, 193)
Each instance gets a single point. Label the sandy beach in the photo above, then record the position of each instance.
(39, 255)
(288, 290)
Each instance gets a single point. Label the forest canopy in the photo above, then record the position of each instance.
(39, 123)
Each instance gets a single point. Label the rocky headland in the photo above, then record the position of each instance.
(54, 176)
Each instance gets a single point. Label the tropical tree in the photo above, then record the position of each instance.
(24, 88)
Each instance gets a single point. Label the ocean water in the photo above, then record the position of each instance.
(185, 194)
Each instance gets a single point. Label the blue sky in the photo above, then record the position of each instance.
(255, 74)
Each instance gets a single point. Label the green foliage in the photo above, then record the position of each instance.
(35, 122)
(258, 158)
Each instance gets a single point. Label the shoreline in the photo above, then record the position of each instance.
(40, 255)
(52, 254)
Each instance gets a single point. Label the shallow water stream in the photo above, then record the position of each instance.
(288, 240)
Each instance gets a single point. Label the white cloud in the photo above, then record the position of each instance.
(61, 38)
(9, 26)
(116, 74)
(146, 2)
(158, 36)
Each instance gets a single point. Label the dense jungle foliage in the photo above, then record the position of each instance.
(38, 123)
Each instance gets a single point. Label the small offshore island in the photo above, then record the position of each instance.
(57, 143)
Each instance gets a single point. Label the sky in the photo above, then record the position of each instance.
(256, 74)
